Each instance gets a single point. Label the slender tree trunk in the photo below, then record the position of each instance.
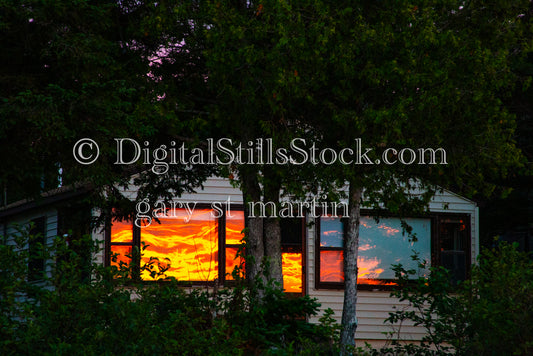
(351, 245)
(254, 242)
(272, 229)
(273, 249)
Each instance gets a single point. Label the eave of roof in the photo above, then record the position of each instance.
(46, 198)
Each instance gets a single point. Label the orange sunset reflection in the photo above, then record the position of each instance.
(292, 272)
(121, 231)
(389, 231)
(191, 247)
(232, 261)
(234, 227)
(121, 252)
(331, 268)
(234, 235)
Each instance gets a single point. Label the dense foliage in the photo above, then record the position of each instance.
(396, 73)
(489, 314)
(64, 313)
(83, 69)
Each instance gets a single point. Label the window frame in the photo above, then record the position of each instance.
(436, 244)
(38, 235)
(137, 242)
(287, 247)
(435, 220)
(222, 246)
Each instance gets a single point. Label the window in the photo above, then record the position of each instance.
(121, 241)
(292, 254)
(452, 247)
(36, 261)
(234, 225)
(385, 242)
(188, 242)
(204, 248)
(330, 253)
(191, 246)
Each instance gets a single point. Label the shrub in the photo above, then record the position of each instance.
(489, 314)
(82, 308)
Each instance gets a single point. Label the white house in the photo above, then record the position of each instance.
(200, 235)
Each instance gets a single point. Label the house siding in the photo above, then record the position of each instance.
(374, 306)
(11, 228)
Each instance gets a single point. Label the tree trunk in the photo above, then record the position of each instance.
(273, 249)
(254, 237)
(272, 228)
(351, 245)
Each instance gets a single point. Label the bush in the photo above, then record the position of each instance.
(489, 314)
(81, 308)
(500, 296)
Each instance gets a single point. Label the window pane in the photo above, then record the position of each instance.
(331, 266)
(234, 227)
(453, 239)
(331, 232)
(292, 272)
(122, 251)
(383, 243)
(121, 231)
(232, 261)
(37, 241)
(291, 231)
(191, 246)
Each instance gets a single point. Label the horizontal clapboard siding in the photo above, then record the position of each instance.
(214, 189)
(373, 307)
(11, 229)
(98, 234)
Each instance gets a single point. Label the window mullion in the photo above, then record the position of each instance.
(136, 241)
(222, 248)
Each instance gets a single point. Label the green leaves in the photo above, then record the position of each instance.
(487, 314)
(108, 314)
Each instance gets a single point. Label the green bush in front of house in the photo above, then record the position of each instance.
(81, 308)
(489, 314)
